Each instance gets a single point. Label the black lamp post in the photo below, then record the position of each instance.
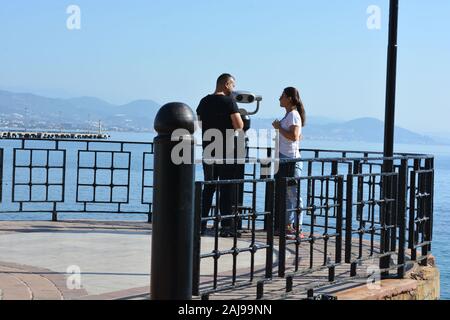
(391, 79)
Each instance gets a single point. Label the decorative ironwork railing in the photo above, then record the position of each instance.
(351, 210)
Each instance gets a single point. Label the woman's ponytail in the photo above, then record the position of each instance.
(293, 93)
(301, 111)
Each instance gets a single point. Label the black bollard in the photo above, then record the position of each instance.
(173, 206)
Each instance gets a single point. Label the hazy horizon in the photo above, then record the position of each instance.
(431, 133)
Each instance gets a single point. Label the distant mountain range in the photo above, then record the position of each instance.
(361, 129)
(20, 111)
(24, 110)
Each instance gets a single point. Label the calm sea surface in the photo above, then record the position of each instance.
(441, 236)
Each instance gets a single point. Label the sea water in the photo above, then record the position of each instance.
(441, 235)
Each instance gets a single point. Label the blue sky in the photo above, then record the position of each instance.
(174, 51)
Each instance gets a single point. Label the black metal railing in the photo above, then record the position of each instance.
(352, 210)
(76, 176)
(323, 224)
(236, 248)
(354, 214)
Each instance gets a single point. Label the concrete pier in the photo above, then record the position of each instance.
(51, 135)
(40, 259)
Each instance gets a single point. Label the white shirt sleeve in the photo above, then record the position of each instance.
(296, 119)
(292, 119)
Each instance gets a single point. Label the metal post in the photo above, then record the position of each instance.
(391, 79)
(197, 239)
(54, 213)
(331, 273)
(385, 221)
(429, 165)
(269, 199)
(173, 201)
(389, 122)
(259, 290)
(348, 219)
(289, 283)
(269, 207)
(353, 267)
(280, 222)
(402, 186)
(412, 213)
(339, 218)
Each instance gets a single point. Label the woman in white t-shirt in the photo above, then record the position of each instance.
(290, 132)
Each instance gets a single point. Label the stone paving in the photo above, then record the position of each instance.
(110, 257)
(38, 260)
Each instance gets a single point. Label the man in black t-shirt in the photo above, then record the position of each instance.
(218, 114)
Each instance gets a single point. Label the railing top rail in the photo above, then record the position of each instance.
(234, 181)
(365, 175)
(343, 159)
(317, 177)
(346, 151)
(367, 154)
(334, 159)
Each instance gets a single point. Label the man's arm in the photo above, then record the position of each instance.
(237, 122)
(236, 118)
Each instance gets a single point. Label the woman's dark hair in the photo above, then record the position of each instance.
(293, 93)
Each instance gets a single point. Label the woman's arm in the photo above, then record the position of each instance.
(292, 134)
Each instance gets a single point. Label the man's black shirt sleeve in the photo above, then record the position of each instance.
(199, 108)
(232, 107)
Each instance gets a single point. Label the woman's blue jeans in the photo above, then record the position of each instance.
(291, 194)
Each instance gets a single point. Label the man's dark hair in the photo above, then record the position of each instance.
(223, 78)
